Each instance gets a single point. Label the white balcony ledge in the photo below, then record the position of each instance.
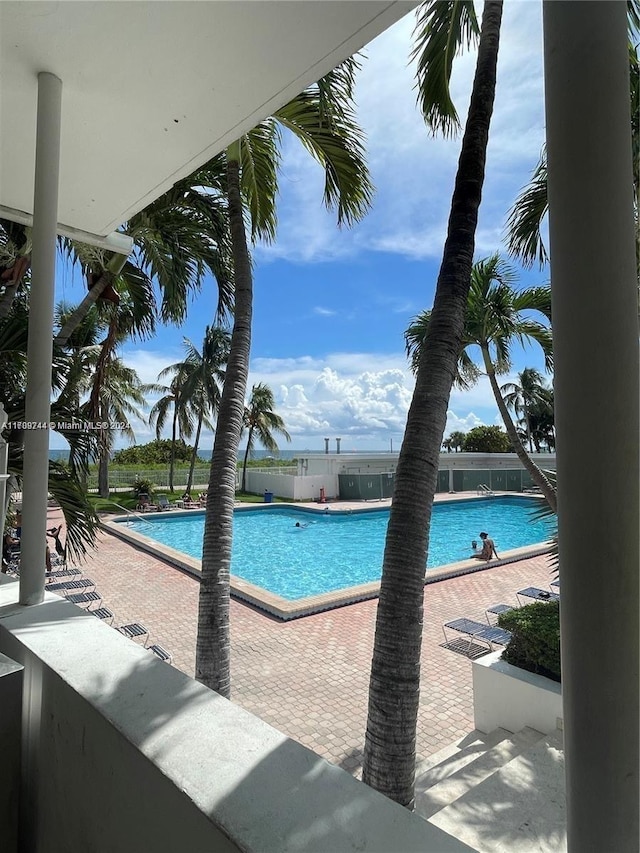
(152, 760)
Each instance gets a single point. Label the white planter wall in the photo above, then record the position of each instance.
(507, 697)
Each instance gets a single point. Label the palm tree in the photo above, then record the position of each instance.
(203, 375)
(495, 318)
(177, 240)
(394, 689)
(182, 418)
(65, 483)
(523, 398)
(322, 118)
(457, 440)
(524, 223)
(261, 421)
(116, 396)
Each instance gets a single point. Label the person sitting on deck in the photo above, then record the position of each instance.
(488, 549)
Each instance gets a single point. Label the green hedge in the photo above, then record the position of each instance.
(535, 644)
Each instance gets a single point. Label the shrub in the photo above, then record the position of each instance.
(487, 439)
(535, 641)
(143, 487)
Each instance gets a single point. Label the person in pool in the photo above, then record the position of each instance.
(488, 549)
(301, 526)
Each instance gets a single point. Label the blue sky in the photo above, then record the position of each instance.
(331, 305)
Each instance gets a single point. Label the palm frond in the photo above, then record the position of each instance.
(443, 29)
(336, 142)
(524, 222)
(259, 155)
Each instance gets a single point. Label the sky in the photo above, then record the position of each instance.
(331, 305)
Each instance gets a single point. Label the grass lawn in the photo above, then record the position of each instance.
(129, 501)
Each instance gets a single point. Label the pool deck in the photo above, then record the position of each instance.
(309, 677)
(283, 608)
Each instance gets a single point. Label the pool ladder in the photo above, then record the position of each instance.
(130, 512)
(483, 489)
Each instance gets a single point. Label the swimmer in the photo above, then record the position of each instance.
(301, 526)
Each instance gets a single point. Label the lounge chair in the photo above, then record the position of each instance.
(102, 613)
(496, 610)
(163, 503)
(159, 652)
(145, 503)
(87, 598)
(488, 634)
(537, 594)
(133, 630)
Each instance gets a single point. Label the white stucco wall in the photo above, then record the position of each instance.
(126, 753)
(505, 696)
(293, 488)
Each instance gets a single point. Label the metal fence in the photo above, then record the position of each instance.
(119, 478)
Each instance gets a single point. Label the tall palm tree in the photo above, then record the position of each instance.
(322, 118)
(182, 417)
(524, 396)
(117, 397)
(65, 483)
(394, 688)
(261, 422)
(496, 317)
(203, 375)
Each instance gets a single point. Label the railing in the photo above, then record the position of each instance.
(483, 489)
(131, 512)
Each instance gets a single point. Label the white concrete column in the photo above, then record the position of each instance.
(595, 338)
(40, 342)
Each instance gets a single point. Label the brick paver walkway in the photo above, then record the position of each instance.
(309, 677)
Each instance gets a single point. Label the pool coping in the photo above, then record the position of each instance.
(283, 608)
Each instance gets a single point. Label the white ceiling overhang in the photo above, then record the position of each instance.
(151, 90)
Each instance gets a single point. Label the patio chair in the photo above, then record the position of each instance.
(163, 503)
(86, 598)
(69, 587)
(159, 652)
(488, 634)
(145, 504)
(496, 610)
(133, 630)
(61, 573)
(537, 594)
(102, 613)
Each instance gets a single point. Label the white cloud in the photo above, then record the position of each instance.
(361, 397)
(413, 171)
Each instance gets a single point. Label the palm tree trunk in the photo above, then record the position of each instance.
(114, 267)
(103, 472)
(172, 454)
(244, 461)
(194, 455)
(536, 474)
(394, 691)
(213, 641)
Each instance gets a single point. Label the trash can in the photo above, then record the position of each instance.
(268, 497)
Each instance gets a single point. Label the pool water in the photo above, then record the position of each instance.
(338, 550)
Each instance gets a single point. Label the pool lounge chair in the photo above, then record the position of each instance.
(145, 503)
(163, 503)
(488, 634)
(537, 594)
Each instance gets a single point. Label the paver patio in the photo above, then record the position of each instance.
(309, 677)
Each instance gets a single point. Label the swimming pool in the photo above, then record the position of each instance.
(341, 549)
